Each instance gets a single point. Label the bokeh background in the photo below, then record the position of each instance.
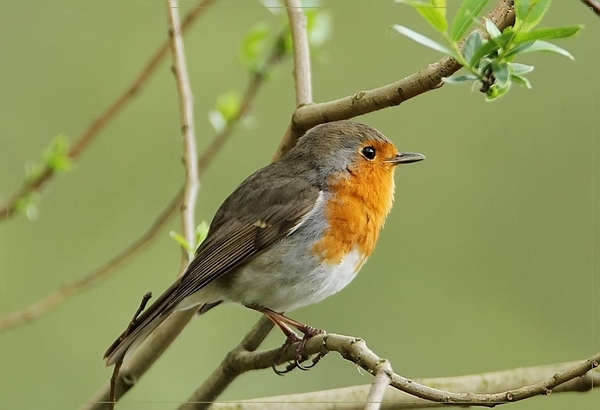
(489, 260)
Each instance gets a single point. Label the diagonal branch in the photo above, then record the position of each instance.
(55, 299)
(8, 209)
(186, 102)
(594, 5)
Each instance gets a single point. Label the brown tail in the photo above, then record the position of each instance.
(141, 328)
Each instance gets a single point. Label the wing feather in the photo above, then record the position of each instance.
(240, 231)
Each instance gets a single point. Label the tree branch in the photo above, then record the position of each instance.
(302, 72)
(485, 383)
(356, 351)
(55, 299)
(225, 374)
(186, 102)
(380, 383)
(8, 210)
(390, 95)
(594, 5)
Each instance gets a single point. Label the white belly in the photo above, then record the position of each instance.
(285, 291)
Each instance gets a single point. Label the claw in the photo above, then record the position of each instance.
(284, 323)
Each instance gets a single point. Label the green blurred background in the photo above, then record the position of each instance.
(489, 260)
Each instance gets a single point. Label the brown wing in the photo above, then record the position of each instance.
(249, 221)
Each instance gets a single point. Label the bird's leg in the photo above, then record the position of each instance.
(284, 323)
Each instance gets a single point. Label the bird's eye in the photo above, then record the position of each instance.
(368, 152)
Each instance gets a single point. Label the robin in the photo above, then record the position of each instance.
(290, 235)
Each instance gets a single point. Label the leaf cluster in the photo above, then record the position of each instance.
(488, 53)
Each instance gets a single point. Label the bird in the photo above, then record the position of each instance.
(290, 235)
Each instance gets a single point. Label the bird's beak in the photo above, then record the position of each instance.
(405, 158)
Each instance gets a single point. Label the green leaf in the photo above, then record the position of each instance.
(27, 204)
(545, 46)
(546, 34)
(522, 8)
(468, 10)
(228, 105)
(472, 44)
(518, 69)
(521, 80)
(518, 49)
(486, 49)
(531, 13)
(491, 28)
(56, 157)
(201, 232)
(459, 79)
(501, 73)
(180, 240)
(217, 121)
(254, 45)
(421, 39)
(496, 92)
(274, 6)
(318, 26)
(433, 11)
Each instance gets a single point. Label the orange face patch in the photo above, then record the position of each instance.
(359, 204)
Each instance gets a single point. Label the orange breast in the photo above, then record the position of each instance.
(357, 211)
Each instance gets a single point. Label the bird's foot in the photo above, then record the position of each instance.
(284, 323)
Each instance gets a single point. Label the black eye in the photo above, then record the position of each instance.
(368, 152)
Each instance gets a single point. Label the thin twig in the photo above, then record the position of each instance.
(594, 5)
(55, 299)
(8, 209)
(186, 102)
(115, 373)
(380, 383)
(390, 95)
(302, 71)
(353, 397)
(46, 304)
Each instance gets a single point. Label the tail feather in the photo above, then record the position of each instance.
(141, 328)
(125, 345)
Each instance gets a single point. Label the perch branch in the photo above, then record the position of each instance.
(8, 209)
(485, 383)
(356, 351)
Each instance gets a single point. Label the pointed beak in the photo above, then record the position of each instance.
(405, 158)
